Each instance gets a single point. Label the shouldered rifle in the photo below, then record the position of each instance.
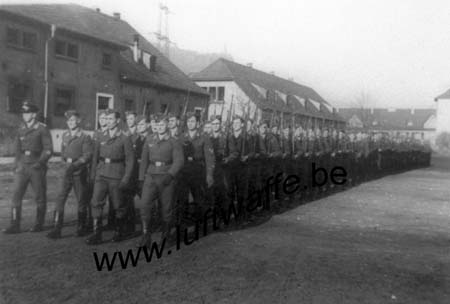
(246, 120)
(293, 129)
(183, 115)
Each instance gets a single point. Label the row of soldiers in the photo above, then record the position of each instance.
(172, 166)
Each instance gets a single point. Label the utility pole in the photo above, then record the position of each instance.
(162, 35)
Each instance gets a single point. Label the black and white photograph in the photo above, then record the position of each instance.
(210, 151)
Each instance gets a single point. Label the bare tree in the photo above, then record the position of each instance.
(363, 102)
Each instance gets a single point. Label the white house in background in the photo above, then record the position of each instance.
(263, 95)
(419, 123)
(443, 112)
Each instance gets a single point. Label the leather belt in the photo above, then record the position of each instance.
(192, 159)
(160, 164)
(28, 152)
(69, 160)
(111, 160)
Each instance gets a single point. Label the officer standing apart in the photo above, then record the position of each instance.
(114, 161)
(162, 158)
(76, 151)
(33, 148)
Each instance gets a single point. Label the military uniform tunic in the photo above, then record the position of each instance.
(76, 151)
(114, 161)
(33, 148)
(161, 161)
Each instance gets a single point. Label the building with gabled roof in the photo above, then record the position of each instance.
(243, 89)
(68, 56)
(416, 122)
(443, 112)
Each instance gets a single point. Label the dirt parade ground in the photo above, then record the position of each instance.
(385, 241)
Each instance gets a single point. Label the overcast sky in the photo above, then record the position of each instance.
(396, 52)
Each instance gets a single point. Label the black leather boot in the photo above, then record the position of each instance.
(165, 233)
(96, 237)
(55, 233)
(14, 227)
(146, 238)
(82, 227)
(119, 230)
(40, 219)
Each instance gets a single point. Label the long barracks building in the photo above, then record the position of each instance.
(68, 56)
(244, 90)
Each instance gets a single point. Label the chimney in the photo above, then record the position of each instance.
(97, 10)
(371, 111)
(413, 111)
(291, 78)
(272, 73)
(116, 15)
(250, 65)
(136, 47)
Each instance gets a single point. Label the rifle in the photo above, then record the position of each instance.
(228, 122)
(166, 111)
(293, 134)
(144, 109)
(183, 114)
(271, 118)
(246, 117)
(221, 112)
(280, 131)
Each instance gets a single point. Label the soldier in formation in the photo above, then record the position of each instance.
(183, 174)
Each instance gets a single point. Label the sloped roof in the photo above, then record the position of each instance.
(88, 22)
(247, 77)
(388, 119)
(445, 95)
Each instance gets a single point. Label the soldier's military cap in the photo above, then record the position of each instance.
(265, 122)
(172, 114)
(161, 117)
(112, 111)
(127, 113)
(216, 117)
(238, 117)
(28, 107)
(191, 114)
(70, 113)
(140, 118)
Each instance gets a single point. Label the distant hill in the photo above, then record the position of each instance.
(191, 61)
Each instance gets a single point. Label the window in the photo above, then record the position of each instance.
(147, 108)
(72, 50)
(66, 49)
(129, 105)
(106, 60)
(29, 40)
(13, 36)
(64, 99)
(21, 39)
(212, 93)
(221, 93)
(103, 102)
(17, 93)
(60, 47)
